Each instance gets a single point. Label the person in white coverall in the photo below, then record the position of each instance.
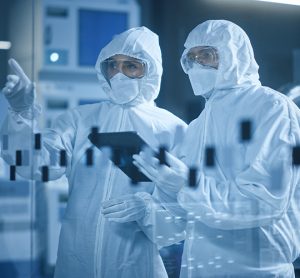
(243, 214)
(129, 69)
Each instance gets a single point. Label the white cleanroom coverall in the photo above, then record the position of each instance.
(245, 211)
(243, 214)
(90, 245)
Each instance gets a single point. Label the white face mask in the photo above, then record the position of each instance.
(203, 80)
(123, 88)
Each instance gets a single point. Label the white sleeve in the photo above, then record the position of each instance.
(262, 191)
(164, 221)
(20, 129)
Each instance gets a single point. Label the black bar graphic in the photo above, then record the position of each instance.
(37, 141)
(89, 157)
(162, 155)
(12, 172)
(210, 156)
(45, 174)
(246, 130)
(192, 177)
(94, 129)
(63, 158)
(296, 155)
(18, 158)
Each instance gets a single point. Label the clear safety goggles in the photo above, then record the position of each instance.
(206, 56)
(129, 66)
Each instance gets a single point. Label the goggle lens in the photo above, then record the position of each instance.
(132, 68)
(204, 56)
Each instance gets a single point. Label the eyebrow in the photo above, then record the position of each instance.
(124, 59)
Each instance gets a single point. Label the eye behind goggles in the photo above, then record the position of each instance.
(131, 67)
(206, 57)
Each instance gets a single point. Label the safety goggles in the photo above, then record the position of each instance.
(206, 56)
(131, 67)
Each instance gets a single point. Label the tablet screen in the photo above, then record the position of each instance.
(123, 145)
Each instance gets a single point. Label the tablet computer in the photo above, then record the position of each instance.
(123, 145)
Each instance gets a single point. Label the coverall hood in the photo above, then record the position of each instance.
(237, 65)
(140, 43)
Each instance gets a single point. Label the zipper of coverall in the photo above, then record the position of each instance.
(192, 229)
(107, 191)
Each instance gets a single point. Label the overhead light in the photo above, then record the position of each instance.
(5, 45)
(54, 57)
(288, 2)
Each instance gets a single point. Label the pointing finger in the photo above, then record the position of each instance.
(150, 172)
(113, 209)
(16, 68)
(111, 202)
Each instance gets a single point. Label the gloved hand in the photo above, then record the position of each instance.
(127, 208)
(168, 178)
(18, 90)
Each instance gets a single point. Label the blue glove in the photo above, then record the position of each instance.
(18, 90)
(168, 178)
(126, 208)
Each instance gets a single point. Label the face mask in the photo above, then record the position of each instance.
(203, 80)
(123, 88)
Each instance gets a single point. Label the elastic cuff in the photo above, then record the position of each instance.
(149, 203)
(146, 197)
(28, 114)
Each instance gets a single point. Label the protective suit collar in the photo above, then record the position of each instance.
(237, 65)
(139, 43)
